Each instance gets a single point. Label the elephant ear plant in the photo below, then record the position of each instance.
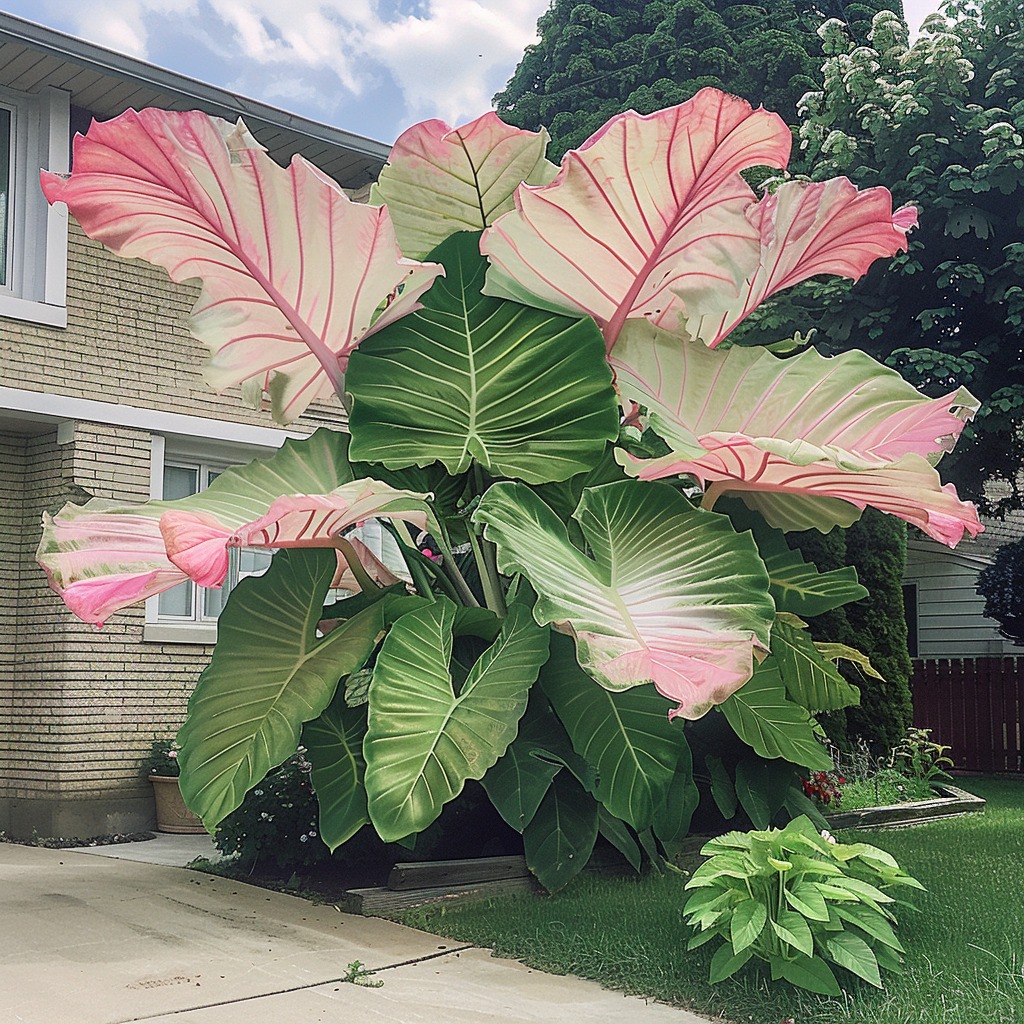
(800, 901)
(535, 365)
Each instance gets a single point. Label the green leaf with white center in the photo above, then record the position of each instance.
(560, 838)
(763, 717)
(795, 931)
(468, 378)
(672, 595)
(334, 745)
(811, 680)
(269, 674)
(810, 973)
(725, 963)
(626, 736)
(424, 740)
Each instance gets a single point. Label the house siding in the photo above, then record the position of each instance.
(951, 619)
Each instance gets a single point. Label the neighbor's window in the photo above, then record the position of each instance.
(187, 602)
(6, 138)
(34, 133)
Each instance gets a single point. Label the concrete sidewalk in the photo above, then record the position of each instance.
(98, 940)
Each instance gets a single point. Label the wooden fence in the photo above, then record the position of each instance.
(974, 705)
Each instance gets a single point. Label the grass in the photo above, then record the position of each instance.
(964, 944)
(884, 789)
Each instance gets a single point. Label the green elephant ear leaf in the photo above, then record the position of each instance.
(334, 743)
(424, 738)
(269, 674)
(811, 680)
(519, 781)
(626, 736)
(525, 393)
(559, 840)
(672, 595)
(796, 586)
(763, 716)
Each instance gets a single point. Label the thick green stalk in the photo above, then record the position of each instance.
(493, 597)
(366, 585)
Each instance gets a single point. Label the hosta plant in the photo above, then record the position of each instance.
(537, 374)
(800, 901)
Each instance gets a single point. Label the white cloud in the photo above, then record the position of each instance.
(448, 58)
(450, 61)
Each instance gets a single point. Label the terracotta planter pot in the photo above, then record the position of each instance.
(171, 813)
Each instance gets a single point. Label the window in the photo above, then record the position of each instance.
(187, 603)
(34, 131)
(910, 610)
(6, 117)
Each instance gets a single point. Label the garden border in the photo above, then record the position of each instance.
(954, 803)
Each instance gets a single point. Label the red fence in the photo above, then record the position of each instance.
(974, 705)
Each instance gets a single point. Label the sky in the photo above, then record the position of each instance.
(372, 67)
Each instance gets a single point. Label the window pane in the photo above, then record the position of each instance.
(180, 482)
(177, 600)
(5, 189)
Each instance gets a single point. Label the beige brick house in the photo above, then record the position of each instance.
(101, 394)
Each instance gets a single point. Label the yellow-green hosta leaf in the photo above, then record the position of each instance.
(525, 393)
(269, 674)
(672, 595)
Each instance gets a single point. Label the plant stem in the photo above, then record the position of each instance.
(362, 576)
(486, 558)
(493, 597)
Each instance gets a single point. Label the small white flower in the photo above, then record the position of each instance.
(827, 836)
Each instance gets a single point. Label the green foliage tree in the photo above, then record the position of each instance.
(941, 123)
(877, 545)
(597, 59)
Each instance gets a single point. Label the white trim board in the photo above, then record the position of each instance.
(56, 408)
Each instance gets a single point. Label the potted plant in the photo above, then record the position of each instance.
(172, 813)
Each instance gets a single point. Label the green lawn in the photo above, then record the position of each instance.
(965, 944)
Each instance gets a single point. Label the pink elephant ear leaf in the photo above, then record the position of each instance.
(197, 544)
(805, 229)
(639, 609)
(293, 272)
(439, 180)
(824, 438)
(645, 219)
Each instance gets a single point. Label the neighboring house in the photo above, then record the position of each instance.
(101, 394)
(945, 614)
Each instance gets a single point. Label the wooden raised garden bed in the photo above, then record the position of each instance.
(953, 801)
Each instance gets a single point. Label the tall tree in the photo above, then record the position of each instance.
(596, 59)
(941, 123)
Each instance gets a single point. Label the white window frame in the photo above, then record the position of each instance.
(36, 288)
(208, 456)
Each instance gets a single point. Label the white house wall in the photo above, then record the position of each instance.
(950, 614)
